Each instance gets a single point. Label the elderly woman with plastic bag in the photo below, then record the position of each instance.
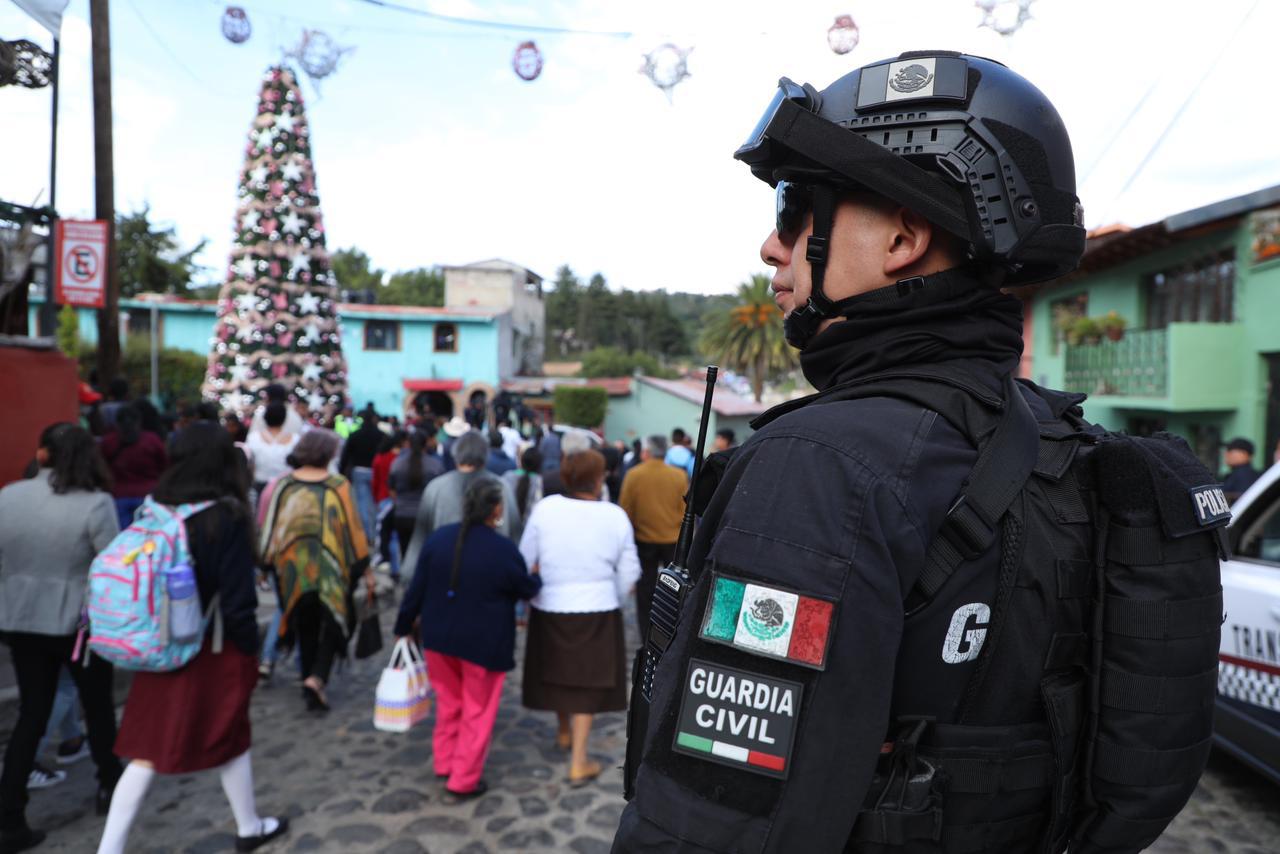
(313, 539)
(468, 580)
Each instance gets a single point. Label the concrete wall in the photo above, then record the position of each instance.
(501, 286)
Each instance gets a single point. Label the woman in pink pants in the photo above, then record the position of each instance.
(464, 591)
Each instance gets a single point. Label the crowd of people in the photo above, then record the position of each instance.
(496, 526)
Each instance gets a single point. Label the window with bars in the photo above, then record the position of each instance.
(1202, 291)
(381, 335)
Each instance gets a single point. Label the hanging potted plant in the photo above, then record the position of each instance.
(1112, 325)
(1083, 330)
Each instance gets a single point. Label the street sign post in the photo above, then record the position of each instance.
(80, 250)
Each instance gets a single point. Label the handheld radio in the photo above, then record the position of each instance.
(664, 616)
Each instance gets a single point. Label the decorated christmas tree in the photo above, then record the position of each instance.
(277, 311)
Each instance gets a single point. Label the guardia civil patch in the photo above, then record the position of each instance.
(768, 621)
(738, 718)
(1210, 504)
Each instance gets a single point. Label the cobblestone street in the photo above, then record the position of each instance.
(347, 787)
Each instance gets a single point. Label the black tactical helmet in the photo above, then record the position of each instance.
(961, 140)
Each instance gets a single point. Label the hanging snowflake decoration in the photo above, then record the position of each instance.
(527, 61)
(235, 25)
(665, 66)
(1006, 17)
(843, 35)
(318, 55)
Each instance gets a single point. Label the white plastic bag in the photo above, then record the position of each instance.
(403, 697)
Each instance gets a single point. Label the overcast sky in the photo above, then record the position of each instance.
(430, 150)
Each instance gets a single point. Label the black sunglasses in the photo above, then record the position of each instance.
(795, 203)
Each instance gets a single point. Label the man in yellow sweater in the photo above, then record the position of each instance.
(653, 496)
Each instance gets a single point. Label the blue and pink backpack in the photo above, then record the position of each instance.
(129, 602)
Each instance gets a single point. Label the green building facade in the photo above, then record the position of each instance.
(1200, 352)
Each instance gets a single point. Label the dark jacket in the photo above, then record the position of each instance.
(835, 501)
(360, 449)
(477, 623)
(1239, 479)
(135, 467)
(222, 555)
(499, 463)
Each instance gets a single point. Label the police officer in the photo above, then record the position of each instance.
(823, 668)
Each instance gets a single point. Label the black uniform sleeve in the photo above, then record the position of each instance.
(813, 513)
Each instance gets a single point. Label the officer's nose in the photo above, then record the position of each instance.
(774, 251)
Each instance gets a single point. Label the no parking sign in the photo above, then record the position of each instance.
(80, 247)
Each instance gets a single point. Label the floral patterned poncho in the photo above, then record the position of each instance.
(313, 537)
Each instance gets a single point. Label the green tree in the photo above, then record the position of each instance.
(581, 406)
(748, 337)
(423, 286)
(354, 271)
(562, 313)
(150, 257)
(69, 331)
(613, 362)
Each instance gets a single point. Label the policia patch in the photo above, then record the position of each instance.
(738, 718)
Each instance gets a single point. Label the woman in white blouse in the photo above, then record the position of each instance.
(575, 658)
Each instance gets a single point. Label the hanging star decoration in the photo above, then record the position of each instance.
(291, 224)
(247, 302)
(312, 332)
(239, 373)
(1006, 17)
(318, 54)
(311, 373)
(315, 401)
(250, 219)
(258, 174)
(666, 66)
(263, 139)
(300, 262)
(291, 171)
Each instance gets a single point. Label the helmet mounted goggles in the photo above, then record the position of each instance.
(962, 141)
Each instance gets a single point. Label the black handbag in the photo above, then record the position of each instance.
(369, 634)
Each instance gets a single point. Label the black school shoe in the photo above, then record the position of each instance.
(13, 841)
(253, 843)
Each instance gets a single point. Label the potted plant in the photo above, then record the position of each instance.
(1083, 330)
(1112, 325)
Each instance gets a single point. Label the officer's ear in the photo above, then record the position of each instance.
(911, 237)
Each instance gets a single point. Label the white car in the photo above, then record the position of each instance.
(1247, 724)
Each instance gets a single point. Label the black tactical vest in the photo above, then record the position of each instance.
(1087, 639)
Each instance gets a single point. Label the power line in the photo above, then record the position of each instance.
(172, 55)
(1186, 102)
(501, 25)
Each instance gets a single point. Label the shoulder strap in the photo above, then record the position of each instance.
(1004, 463)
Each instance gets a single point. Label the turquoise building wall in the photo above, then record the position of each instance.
(373, 375)
(649, 410)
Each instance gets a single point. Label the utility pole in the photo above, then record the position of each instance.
(104, 189)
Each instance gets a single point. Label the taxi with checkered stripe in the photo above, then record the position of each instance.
(1247, 724)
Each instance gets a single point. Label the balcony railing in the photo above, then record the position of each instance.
(1135, 366)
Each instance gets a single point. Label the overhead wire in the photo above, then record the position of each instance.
(502, 25)
(1186, 102)
(170, 52)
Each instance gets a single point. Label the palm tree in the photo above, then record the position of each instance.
(748, 338)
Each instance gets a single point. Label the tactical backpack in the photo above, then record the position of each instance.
(128, 600)
(1108, 603)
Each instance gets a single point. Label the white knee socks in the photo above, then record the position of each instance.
(128, 795)
(237, 782)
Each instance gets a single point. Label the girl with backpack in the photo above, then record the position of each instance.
(51, 526)
(197, 717)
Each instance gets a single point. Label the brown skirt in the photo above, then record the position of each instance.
(575, 663)
(193, 718)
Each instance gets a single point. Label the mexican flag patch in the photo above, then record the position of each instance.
(768, 621)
